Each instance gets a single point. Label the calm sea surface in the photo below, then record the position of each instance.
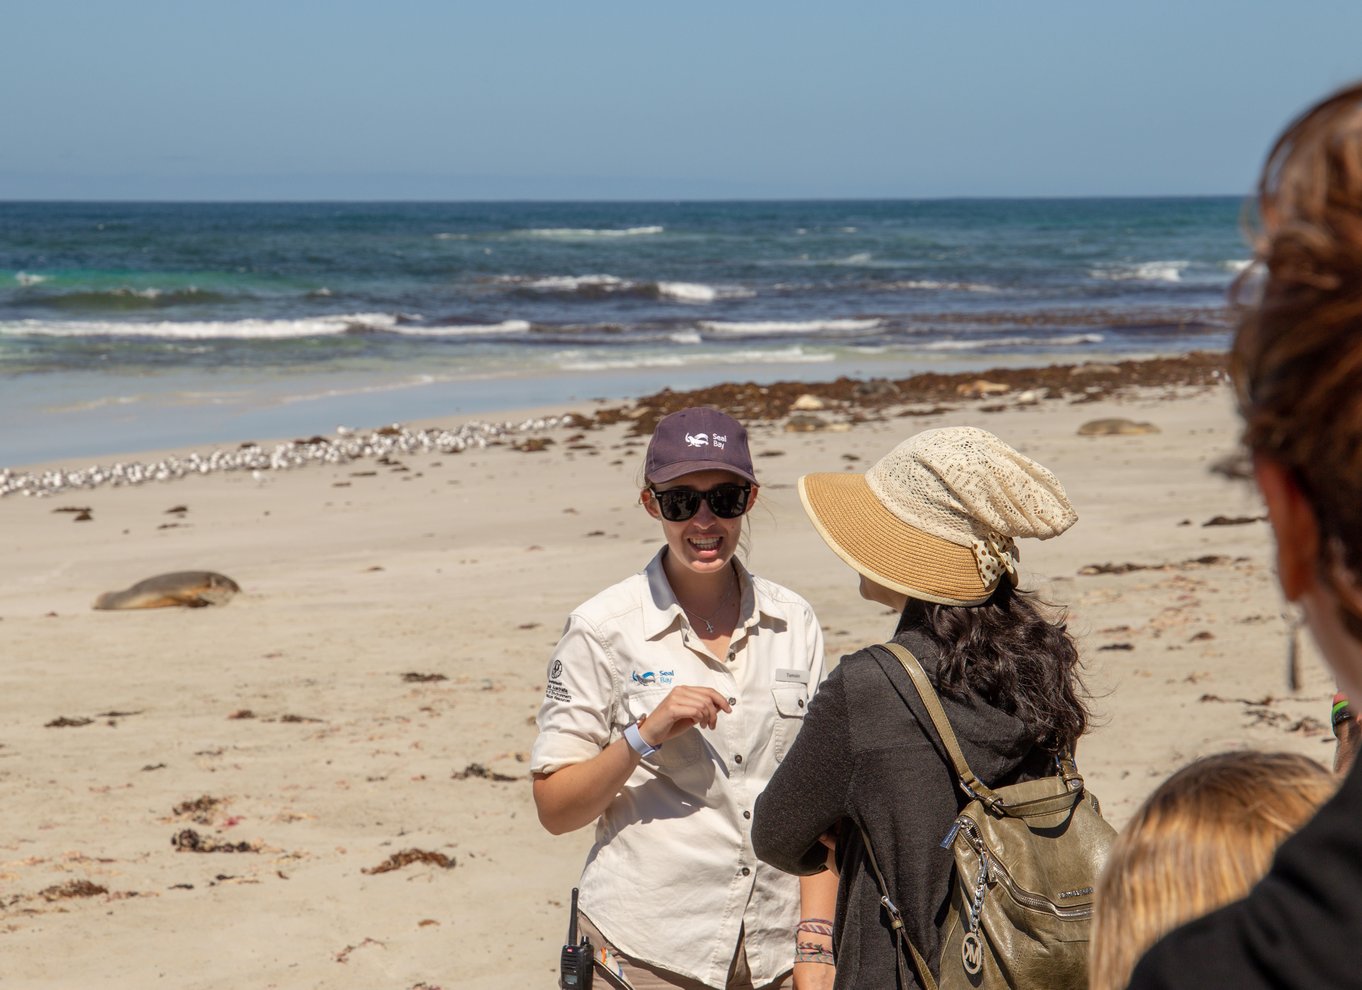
(132, 326)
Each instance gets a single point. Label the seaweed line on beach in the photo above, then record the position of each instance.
(751, 402)
(747, 401)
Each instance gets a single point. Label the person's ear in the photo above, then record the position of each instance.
(752, 498)
(649, 503)
(1294, 523)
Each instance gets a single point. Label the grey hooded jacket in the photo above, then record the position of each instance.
(864, 759)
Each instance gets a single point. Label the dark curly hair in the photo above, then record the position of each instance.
(1008, 652)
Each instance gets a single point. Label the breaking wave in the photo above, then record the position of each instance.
(570, 232)
(1063, 340)
(762, 328)
(575, 361)
(605, 286)
(317, 326)
(1145, 271)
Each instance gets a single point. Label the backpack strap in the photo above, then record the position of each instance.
(972, 785)
(904, 943)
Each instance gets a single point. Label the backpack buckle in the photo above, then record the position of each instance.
(895, 919)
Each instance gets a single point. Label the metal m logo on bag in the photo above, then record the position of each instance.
(972, 954)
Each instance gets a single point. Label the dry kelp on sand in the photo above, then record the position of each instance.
(750, 402)
(72, 888)
(189, 840)
(200, 809)
(478, 770)
(400, 859)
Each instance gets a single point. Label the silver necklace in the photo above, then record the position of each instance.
(709, 622)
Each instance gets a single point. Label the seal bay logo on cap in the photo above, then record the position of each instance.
(698, 439)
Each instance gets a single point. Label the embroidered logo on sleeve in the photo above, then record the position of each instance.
(556, 691)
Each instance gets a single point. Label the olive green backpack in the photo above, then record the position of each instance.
(1027, 857)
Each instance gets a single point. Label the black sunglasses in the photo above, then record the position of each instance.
(727, 501)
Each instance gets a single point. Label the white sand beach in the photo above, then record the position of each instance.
(377, 677)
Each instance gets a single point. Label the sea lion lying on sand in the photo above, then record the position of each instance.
(193, 589)
(1115, 428)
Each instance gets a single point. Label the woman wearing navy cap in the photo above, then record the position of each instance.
(671, 698)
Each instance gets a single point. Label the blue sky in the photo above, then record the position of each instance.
(524, 99)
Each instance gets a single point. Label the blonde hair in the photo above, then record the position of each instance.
(1199, 842)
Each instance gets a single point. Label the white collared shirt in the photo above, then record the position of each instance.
(672, 879)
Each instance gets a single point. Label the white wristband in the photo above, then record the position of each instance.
(636, 741)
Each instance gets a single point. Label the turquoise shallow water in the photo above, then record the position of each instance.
(129, 326)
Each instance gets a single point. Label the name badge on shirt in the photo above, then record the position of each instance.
(792, 676)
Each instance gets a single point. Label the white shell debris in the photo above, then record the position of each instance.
(349, 445)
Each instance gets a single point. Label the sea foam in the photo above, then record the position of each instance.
(592, 231)
(1062, 340)
(688, 291)
(595, 286)
(575, 361)
(1145, 271)
(465, 330)
(933, 285)
(769, 327)
(316, 326)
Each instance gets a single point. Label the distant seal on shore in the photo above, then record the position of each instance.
(192, 589)
(1115, 428)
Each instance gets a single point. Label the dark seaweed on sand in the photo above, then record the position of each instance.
(400, 859)
(478, 770)
(188, 840)
(750, 402)
(200, 809)
(72, 888)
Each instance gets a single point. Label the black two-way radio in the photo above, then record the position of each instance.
(576, 963)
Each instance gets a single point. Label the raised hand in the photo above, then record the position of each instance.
(683, 707)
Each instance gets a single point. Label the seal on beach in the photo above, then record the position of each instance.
(192, 589)
(1115, 428)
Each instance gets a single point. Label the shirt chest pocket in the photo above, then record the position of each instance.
(791, 701)
(674, 754)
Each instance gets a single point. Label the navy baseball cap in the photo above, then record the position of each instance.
(697, 439)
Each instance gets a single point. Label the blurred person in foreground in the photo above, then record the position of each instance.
(1201, 840)
(1297, 368)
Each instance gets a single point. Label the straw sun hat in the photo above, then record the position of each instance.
(936, 517)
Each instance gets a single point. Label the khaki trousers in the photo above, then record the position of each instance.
(645, 977)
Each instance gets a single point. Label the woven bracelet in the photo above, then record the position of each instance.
(812, 952)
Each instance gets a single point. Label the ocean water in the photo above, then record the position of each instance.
(133, 326)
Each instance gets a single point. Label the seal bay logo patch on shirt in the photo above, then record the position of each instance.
(650, 678)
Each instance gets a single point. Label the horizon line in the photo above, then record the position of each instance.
(234, 201)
